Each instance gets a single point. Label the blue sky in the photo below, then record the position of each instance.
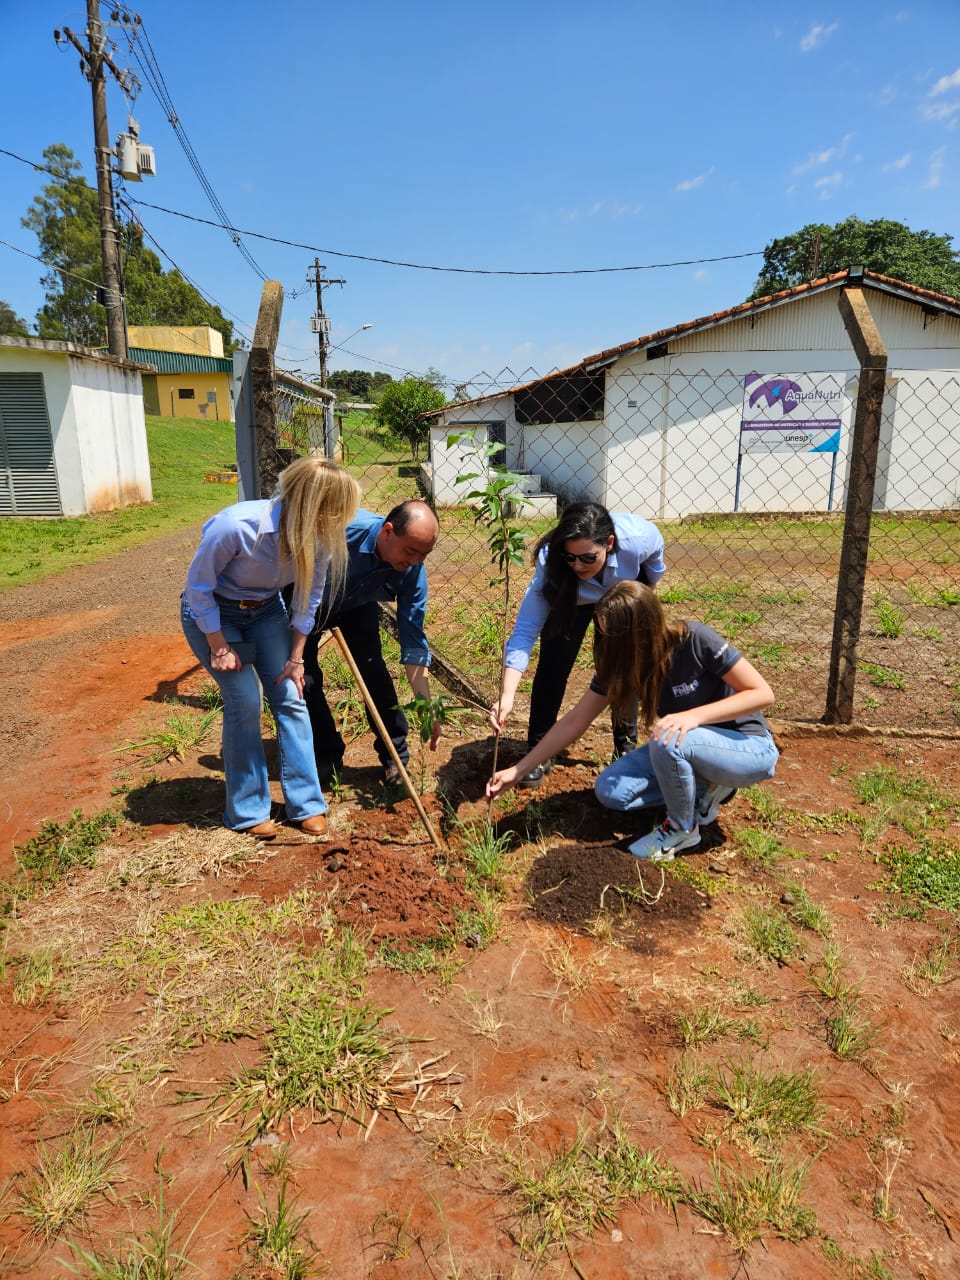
(523, 136)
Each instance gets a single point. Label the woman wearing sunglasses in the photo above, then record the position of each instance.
(575, 563)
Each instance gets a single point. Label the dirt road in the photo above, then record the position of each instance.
(84, 660)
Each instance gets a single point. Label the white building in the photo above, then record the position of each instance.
(72, 434)
(750, 409)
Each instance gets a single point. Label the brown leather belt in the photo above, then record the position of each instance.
(243, 604)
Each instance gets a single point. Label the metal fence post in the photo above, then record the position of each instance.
(872, 356)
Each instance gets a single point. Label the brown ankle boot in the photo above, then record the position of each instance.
(263, 830)
(314, 826)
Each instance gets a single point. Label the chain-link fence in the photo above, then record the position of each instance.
(747, 479)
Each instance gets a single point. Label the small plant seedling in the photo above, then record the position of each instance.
(429, 714)
(889, 618)
(496, 503)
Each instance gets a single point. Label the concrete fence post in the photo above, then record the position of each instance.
(872, 356)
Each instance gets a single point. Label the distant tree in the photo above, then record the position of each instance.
(10, 322)
(400, 405)
(377, 383)
(66, 222)
(357, 384)
(891, 248)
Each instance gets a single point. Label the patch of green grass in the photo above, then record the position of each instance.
(700, 1026)
(929, 875)
(181, 732)
(850, 1035)
(558, 1198)
(912, 801)
(746, 1204)
(59, 847)
(888, 618)
(67, 1178)
(770, 935)
(806, 913)
(828, 978)
(687, 1085)
(765, 1106)
(31, 550)
(34, 978)
(324, 1060)
(759, 846)
(764, 803)
(485, 853)
(278, 1246)
(934, 967)
(882, 677)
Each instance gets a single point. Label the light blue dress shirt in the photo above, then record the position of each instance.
(239, 558)
(638, 555)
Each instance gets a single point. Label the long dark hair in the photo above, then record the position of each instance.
(588, 520)
(633, 647)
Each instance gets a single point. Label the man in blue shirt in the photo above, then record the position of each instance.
(386, 563)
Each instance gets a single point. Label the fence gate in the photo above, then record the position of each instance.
(28, 474)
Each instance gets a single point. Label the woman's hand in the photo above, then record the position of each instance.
(292, 670)
(670, 730)
(499, 713)
(501, 781)
(225, 660)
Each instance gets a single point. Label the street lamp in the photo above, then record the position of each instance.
(338, 346)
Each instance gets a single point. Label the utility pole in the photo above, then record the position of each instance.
(93, 59)
(321, 323)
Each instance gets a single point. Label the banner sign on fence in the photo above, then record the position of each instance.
(795, 414)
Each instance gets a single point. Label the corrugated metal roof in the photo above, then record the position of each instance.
(177, 362)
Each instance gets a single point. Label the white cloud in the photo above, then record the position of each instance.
(887, 95)
(701, 274)
(816, 158)
(817, 35)
(901, 162)
(690, 184)
(945, 83)
(939, 110)
(830, 179)
(935, 170)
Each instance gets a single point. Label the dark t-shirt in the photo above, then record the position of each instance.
(695, 678)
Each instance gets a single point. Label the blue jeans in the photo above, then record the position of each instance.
(675, 776)
(262, 636)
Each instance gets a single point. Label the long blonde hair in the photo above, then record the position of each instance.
(317, 501)
(633, 646)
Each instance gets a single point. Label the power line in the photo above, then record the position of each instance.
(96, 284)
(467, 271)
(208, 297)
(142, 51)
(415, 266)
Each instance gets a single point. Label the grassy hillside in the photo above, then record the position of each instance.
(181, 454)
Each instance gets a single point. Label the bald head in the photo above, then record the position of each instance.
(408, 535)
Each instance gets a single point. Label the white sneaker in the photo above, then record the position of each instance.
(708, 806)
(662, 844)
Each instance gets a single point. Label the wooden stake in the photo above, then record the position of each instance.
(381, 727)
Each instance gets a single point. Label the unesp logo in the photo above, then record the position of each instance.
(779, 391)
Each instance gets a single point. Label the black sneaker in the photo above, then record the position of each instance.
(391, 774)
(536, 776)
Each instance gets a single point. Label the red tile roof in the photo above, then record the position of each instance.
(873, 279)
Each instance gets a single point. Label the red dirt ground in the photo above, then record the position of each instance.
(581, 991)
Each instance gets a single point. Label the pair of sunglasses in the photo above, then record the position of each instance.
(587, 557)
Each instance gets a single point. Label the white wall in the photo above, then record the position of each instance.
(111, 432)
(95, 407)
(449, 462)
